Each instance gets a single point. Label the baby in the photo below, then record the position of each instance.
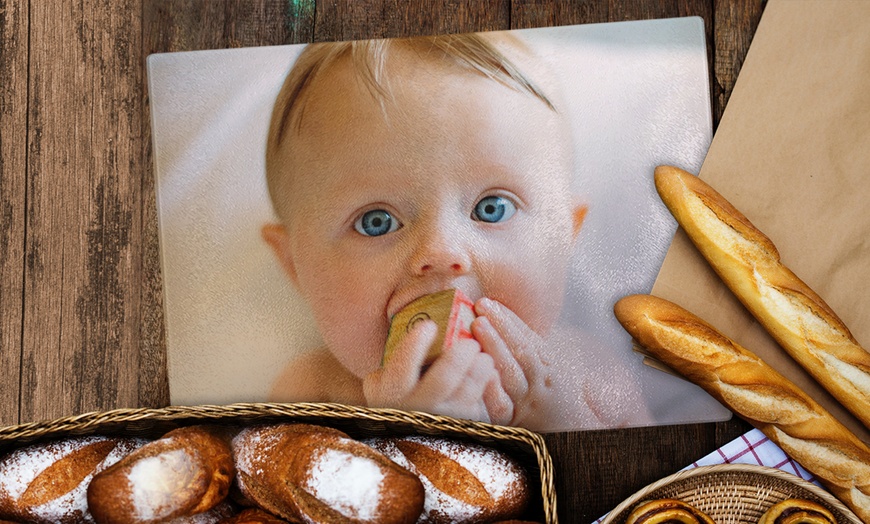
(399, 168)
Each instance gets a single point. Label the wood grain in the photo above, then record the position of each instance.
(736, 22)
(81, 294)
(81, 319)
(347, 20)
(14, 16)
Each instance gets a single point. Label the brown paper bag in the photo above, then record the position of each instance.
(792, 152)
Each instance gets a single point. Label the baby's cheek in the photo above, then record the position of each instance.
(533, 293)
(355, 334)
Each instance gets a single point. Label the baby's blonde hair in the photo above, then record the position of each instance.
(368, 58)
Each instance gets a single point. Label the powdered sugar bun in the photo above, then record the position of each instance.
(48, 482)
(314, 474)
(464, 482)
(186, 472)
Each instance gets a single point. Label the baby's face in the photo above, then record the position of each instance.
(464, 183)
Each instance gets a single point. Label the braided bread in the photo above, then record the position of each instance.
(667, 511)
(797, 511)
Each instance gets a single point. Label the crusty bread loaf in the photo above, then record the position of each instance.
(749, 264)
(253, 516)
(47, 482)
(666, 511)
(317, 474)
(185, 472)
(797, 511)
(756, 392)
(465, 483)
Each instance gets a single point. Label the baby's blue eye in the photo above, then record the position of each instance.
(493, 209)
(375, 223)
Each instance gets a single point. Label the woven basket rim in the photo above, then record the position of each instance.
(720, 469)
(296, 409)
(94, 420)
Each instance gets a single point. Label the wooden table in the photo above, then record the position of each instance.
(81, 321)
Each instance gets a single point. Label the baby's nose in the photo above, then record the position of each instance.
(441, 254)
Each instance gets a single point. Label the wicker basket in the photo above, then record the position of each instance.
(526, 447)
(733, 493)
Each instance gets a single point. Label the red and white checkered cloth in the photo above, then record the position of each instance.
(752, 447)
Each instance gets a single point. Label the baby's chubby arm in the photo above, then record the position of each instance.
(462, 382)
(520, 359)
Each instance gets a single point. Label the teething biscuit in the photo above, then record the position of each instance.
(451, 310)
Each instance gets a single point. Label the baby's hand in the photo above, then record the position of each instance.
(462, 382)
(519, 356)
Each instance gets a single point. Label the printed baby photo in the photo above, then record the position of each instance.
(439, 224)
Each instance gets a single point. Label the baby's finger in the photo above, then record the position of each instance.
(474, 383)
(513, 378)
(448, 372)
(498, 403)
(514, 331)
(401, 373)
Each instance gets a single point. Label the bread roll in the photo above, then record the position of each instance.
(756, 392)
(253, 516)
(749, 264)
(185, 472)
(316, 474)
(465, 483)
(667, 511)
(797, 511)
(48, 482)
(218, 514)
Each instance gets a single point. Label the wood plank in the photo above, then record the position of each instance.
(13, 195)
(736, 23)
(350, 20)
(596, 470)
(189, 25)
(81, 295)
(538, 13)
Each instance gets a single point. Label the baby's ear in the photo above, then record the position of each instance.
(279, 240)
(578, 215)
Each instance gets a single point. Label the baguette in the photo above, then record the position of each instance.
(749, 264)
(756, 392)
